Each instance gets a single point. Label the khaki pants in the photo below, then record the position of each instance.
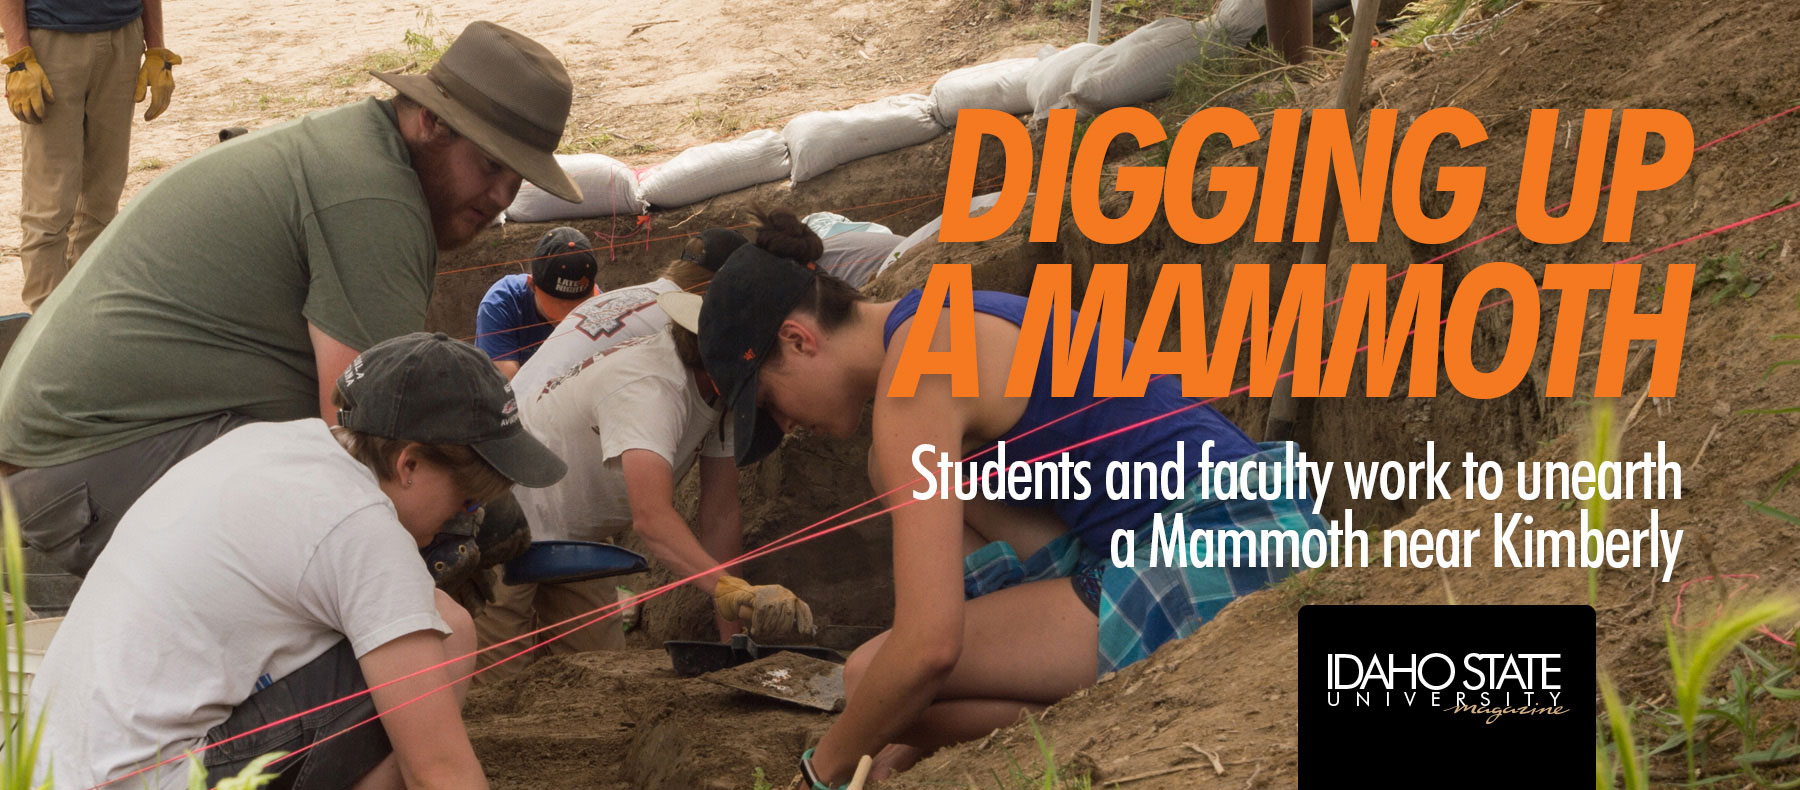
(528, 607)
(74, 162)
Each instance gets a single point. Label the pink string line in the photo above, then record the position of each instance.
(645, 222)
(800, 536)
(1675, 618)
(1565, 204)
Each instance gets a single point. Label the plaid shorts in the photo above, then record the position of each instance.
(1141, 607)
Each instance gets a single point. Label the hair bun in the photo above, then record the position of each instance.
(782, 233)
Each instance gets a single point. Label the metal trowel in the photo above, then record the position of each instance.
(789, 677)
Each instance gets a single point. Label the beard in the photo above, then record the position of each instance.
(452, 218)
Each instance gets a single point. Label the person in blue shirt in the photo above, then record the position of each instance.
(1001, 605)
(520, 310)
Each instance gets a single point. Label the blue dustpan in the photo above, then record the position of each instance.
(563, 561)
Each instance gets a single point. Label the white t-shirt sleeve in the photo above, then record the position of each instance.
(366, 581)
(647, 413)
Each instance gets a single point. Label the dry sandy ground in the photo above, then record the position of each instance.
(703, 71)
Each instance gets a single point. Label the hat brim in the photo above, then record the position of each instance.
(534, 165)
(754, 434)
(683, 308)
(523, 459)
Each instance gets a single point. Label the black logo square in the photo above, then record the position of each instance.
(1447, 696)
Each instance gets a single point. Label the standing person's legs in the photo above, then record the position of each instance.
(52, 162)
(107, 146)
(521, 608)
(559, 602)
(1290, 28)
(510, 614)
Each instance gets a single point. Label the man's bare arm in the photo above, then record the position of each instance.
(330, 358)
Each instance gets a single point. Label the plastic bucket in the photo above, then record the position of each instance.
(37, 640)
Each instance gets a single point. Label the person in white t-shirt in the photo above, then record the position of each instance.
(276, 571)
(621, 314)
(633, 420)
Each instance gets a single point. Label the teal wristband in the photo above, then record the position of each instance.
(812, 779)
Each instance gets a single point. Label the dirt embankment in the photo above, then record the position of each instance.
(600, 720)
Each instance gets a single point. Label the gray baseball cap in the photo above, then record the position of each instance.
(429, 388)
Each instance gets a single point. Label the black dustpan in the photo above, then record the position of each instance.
(694, 658)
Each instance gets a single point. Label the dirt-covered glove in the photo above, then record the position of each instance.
(450, 558)
(501, 531)
(156, 77)
(473, 591)
(772, 612)
(27, 87)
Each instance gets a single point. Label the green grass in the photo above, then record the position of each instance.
(251, 778)
(1694, 656)
(1624, 747)
(1261, 72)
(1050, 776)
(1600, 450)
(419, 50)
(1423, 19)
(722, 121)
(1724, 273)
(604, 143)
(1117, 17)
(18, 757)
(1255, 79)
(1737, 734)
(1315, 586)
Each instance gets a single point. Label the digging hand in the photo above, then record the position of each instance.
(772, 612)
(157, 77)
(27, 87)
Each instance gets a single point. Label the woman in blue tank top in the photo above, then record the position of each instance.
(1001, 604)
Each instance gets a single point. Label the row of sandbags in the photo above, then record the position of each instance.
(1138, 68)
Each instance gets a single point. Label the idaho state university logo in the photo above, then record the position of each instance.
(1460, 694)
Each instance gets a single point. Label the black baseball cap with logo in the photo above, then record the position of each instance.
(713, 247)
(563, 265)
(429, 388)
(736, 323)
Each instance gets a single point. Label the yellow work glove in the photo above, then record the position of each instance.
(772, 612)
(158, 75)
(27, 88)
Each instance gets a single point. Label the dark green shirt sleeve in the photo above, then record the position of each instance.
(372, 264)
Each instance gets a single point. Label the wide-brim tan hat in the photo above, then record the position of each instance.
(683, 308)
(507, 94)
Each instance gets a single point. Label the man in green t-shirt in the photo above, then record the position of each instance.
(237, 286)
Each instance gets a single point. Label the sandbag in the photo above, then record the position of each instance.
(820, 141)
(857, 256)
(1047, 86)
(1241, 19)
(978, 205)
(827, 224)
(990, 86)
(608, 188)
(1141, 67)
(714, 169)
